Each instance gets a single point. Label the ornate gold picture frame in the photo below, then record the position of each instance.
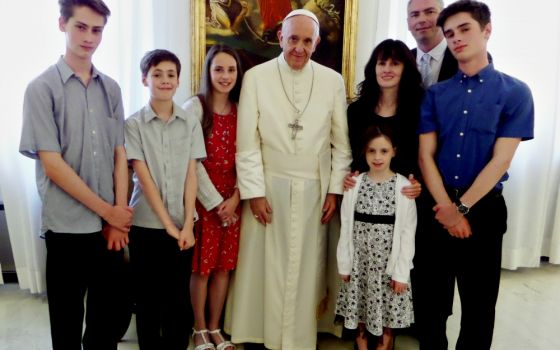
(242, 25)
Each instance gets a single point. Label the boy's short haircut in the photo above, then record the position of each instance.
(155, 57)
(67, 7)
(478, 10)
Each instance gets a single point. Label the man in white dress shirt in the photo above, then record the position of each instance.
(292, 155)
(435, 62)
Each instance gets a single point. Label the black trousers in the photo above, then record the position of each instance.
(76, 264)
(161, 274)
(474, 263)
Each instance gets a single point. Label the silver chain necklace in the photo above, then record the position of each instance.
(295, 126)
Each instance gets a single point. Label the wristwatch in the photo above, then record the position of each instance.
(463, 209)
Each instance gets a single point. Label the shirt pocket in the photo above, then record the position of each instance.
(486, 120)
(109, 131)
(182, 147)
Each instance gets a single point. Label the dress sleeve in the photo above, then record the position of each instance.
(207, 194)
(133, 141)
(341, 154)
(248, 159)
(353, 135)
(343, 249)
(518, 115)
(118, 113)
(428, 116)
(407, 235)
(39, 131)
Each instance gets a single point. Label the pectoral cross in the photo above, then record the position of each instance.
(295, 128)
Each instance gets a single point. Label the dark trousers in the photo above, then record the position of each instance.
(161, 274)
(76, 264)
(475, 264)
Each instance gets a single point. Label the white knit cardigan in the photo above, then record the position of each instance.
(402, 252)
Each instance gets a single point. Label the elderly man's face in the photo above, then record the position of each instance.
(298, 38)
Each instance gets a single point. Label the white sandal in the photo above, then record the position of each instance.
(207, 345)
(224, 343)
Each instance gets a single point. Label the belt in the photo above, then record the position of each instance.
(374, 219)
(301, 166)
(456, 193)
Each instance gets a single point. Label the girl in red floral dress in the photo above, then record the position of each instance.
(217, 230)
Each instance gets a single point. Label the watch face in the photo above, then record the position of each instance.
(463, 209)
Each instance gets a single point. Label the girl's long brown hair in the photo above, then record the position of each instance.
(206, 90)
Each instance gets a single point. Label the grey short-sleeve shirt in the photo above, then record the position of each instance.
(84, 124)
(167, 148)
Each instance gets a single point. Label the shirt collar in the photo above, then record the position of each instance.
(285, 66)
(149, 114)
(436, 53)
(484, 75)
(66, 72)
(94, 72)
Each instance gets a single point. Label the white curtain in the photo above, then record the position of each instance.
(135, 27)
(29, 46)
(21, 54)
(526, 46)
(532, 192)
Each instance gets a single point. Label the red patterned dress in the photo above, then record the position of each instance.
(216, 246)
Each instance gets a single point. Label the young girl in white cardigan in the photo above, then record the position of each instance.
(376, 247)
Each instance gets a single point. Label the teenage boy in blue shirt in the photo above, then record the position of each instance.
(163, 143)
(470, 128)
(73, 126)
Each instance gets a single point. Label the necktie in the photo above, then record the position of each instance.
(426, 70)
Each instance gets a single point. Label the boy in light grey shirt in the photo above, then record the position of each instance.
(73, 128)
(163, 143)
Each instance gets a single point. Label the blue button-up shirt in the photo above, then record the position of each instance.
(469, 114)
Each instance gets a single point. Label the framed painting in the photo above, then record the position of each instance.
(250, 26)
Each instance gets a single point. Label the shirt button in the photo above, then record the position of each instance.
(456, 177)
(91, 110)
(94, 153)
(461, 134)
(481, 80)
(465, 112)
(93, 132)
(469, 91)
(458, 156)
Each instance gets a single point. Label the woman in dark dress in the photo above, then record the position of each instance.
(390, 95)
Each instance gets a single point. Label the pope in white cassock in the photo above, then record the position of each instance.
(292, 156)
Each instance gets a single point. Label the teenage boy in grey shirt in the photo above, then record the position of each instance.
(163, 143)
(73, 127)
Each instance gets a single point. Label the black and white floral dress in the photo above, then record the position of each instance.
(368, 298)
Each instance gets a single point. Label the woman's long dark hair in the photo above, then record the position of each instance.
(205, 93)
(410, 87)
